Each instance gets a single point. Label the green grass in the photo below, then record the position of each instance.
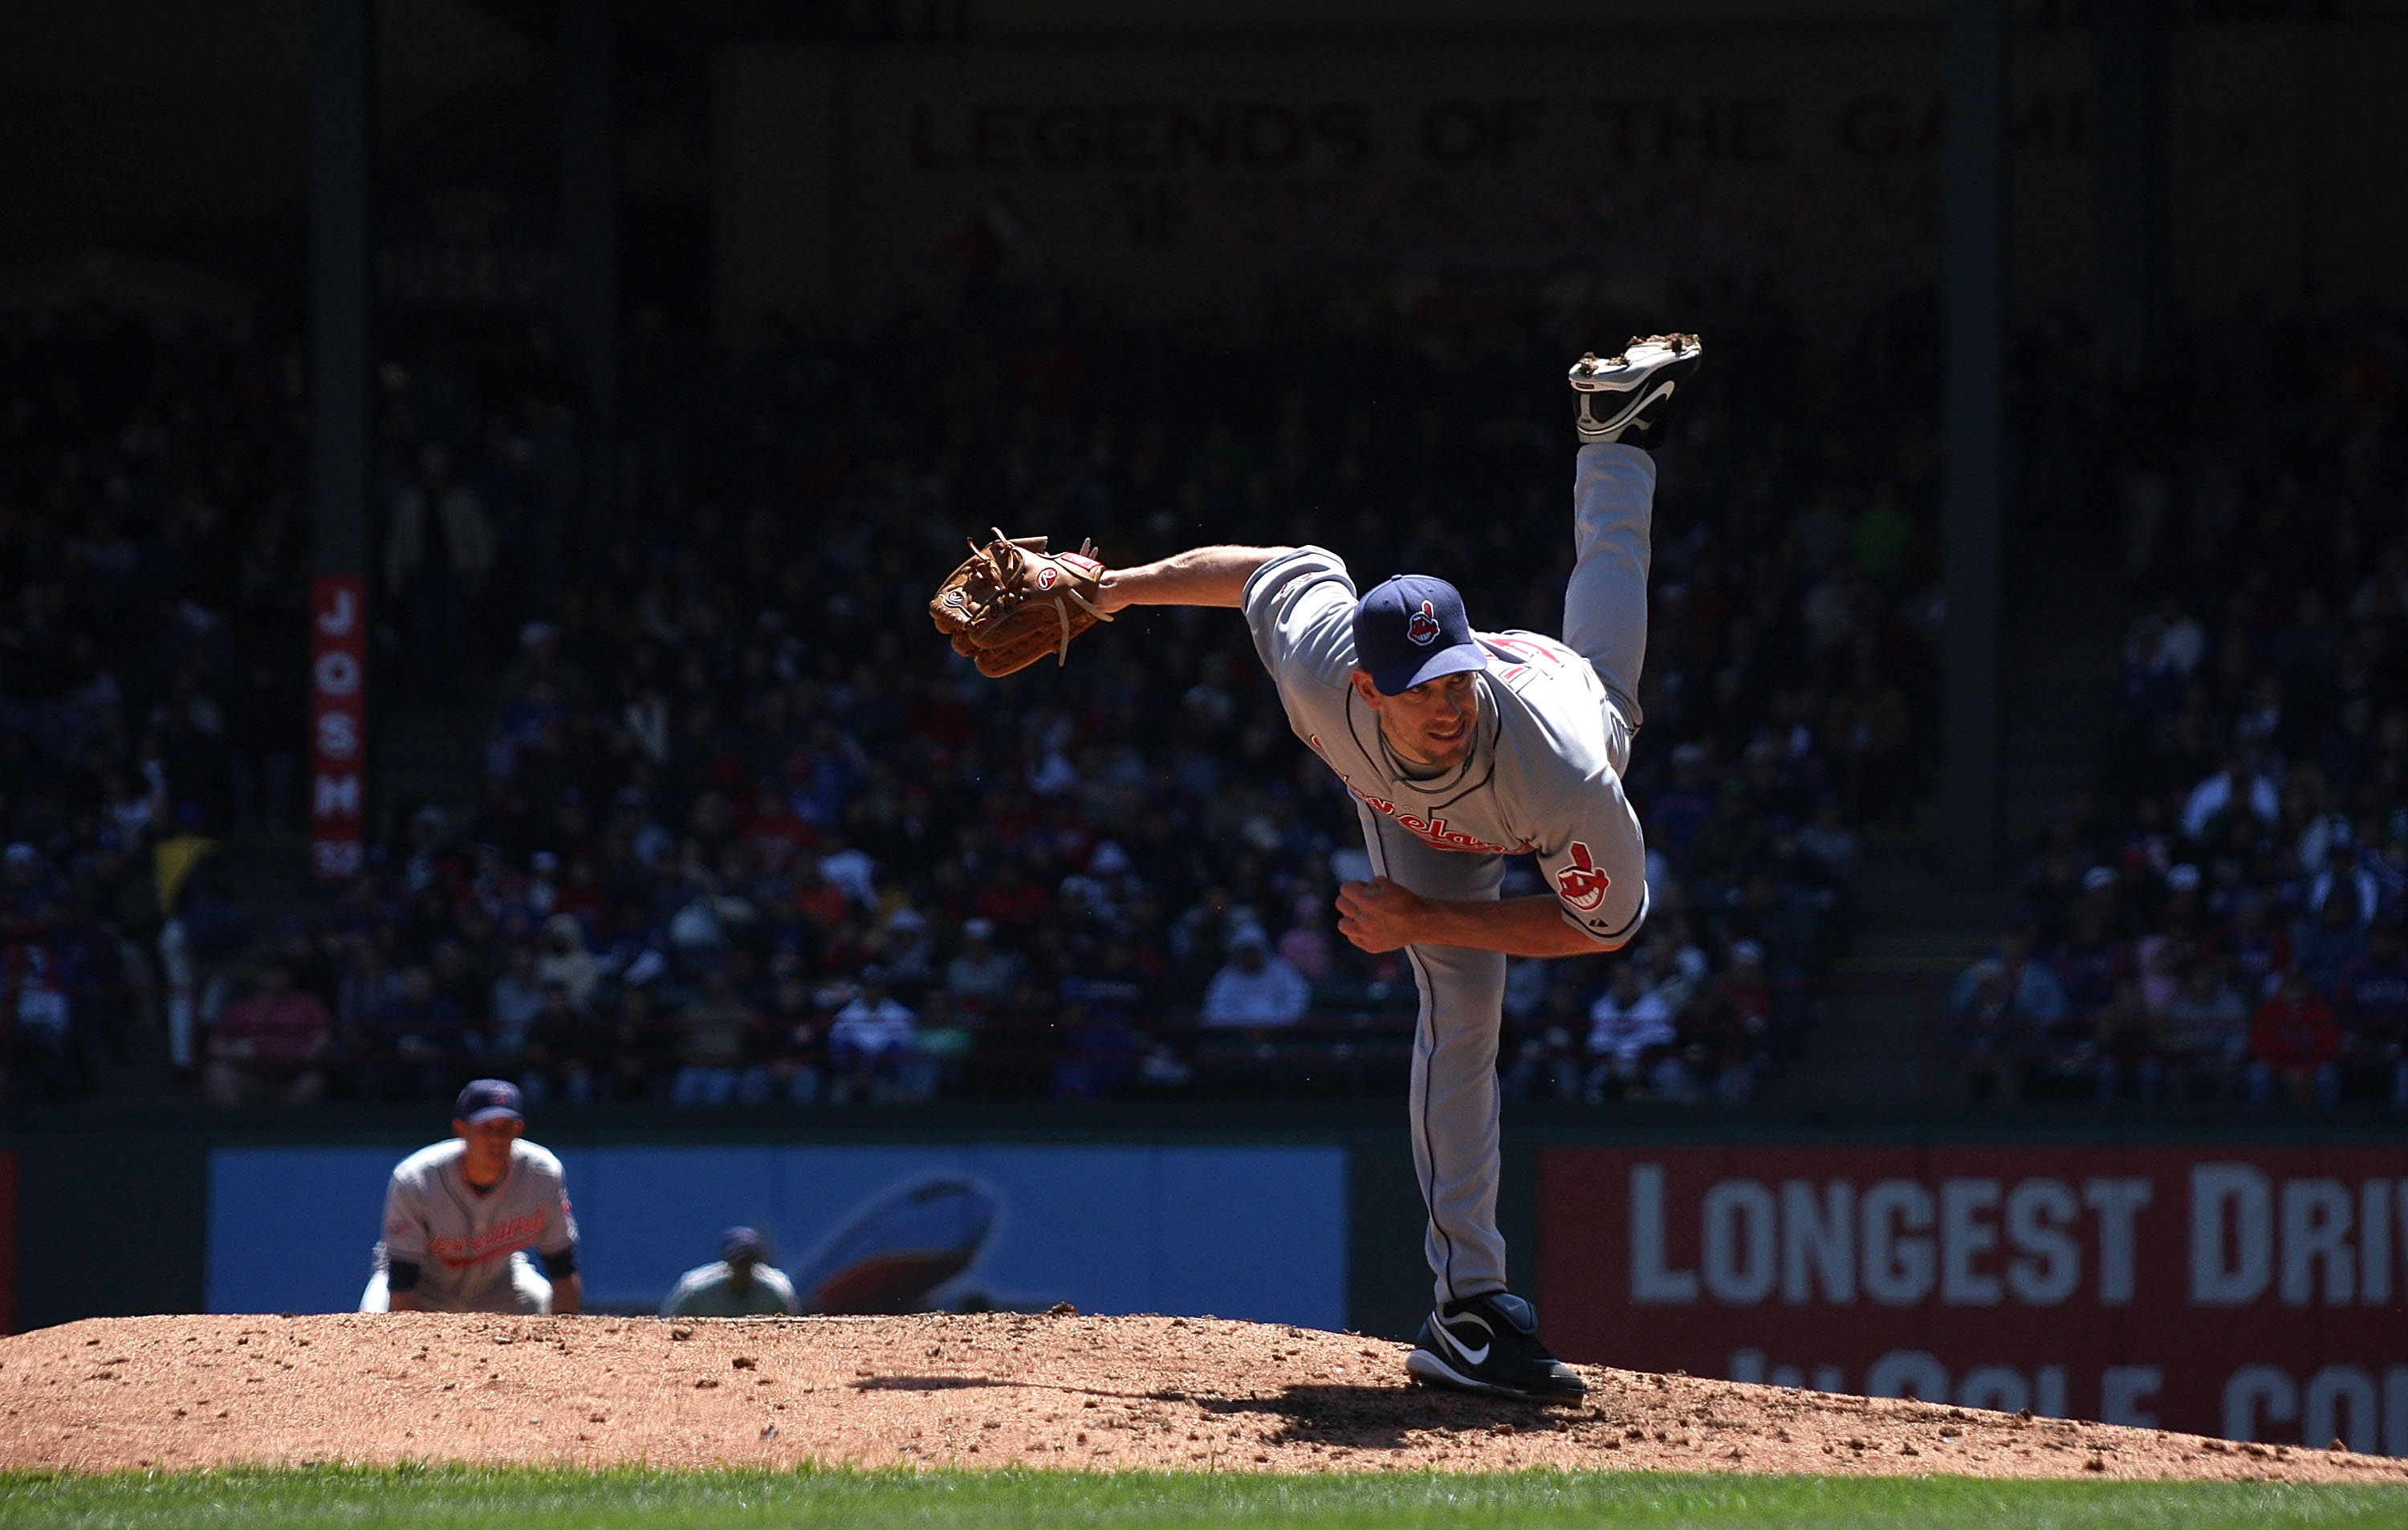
(479, 1499)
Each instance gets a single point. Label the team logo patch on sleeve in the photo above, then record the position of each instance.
(1581, 884)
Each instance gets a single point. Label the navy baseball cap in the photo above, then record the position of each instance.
(1413, 629)
(489, 1099)
(742, 1243)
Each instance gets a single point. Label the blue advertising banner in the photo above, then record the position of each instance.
(1238, 1232)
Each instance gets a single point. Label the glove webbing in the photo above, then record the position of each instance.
(1061, 613)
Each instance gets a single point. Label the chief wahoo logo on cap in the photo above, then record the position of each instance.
(1422, 628)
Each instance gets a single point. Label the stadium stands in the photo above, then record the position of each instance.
(2221, 917)
(751, 836)
(151, 663)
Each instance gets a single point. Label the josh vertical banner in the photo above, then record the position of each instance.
(338, 705)
(2255, 1293)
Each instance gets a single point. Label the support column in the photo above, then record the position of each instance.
(1973, 400)
(589, 230)
(2130, 193)
(343, 144)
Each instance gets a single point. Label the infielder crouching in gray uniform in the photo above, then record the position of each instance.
(461, 1216)
(1462, 747)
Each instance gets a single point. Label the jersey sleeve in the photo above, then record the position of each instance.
(559, 1221)
(783, 1289)
(1597, 866)
(674, 1303)
(405, 1232)
(1301, 608)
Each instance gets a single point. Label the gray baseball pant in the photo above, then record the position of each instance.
(1454, 1094)
(529, 1291)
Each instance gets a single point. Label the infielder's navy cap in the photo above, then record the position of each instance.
(489, 1099)
(742, 1243)
(1413, 629)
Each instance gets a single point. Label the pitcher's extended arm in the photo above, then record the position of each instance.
(1204, 576)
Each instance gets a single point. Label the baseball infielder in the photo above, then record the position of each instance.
(1461, 748)
(742, 1284)
(460, 1216)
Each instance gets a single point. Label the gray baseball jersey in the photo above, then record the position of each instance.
(464, 1243)
(1538, 780)
(1543, 779)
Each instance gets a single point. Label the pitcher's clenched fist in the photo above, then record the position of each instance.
(1379, 915)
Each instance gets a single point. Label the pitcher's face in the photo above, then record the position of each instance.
(1430, 724)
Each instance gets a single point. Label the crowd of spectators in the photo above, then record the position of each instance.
(2221, 919)
(752, 835)
(151, 666)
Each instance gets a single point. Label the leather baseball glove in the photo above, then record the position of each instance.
(1011, 603)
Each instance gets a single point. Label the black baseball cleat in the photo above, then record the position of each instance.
(1622, 397)
(1490, 1344)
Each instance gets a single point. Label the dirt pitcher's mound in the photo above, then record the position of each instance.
(1000, 1389)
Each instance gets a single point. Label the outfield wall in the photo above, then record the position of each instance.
(2249, 1291)
(2252, 1284)
(1110, 1228)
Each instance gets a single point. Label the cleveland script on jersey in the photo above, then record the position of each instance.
(1540, 780)
(462, 1241)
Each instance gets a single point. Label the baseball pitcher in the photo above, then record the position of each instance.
(461, 1216)
(1460, 748)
